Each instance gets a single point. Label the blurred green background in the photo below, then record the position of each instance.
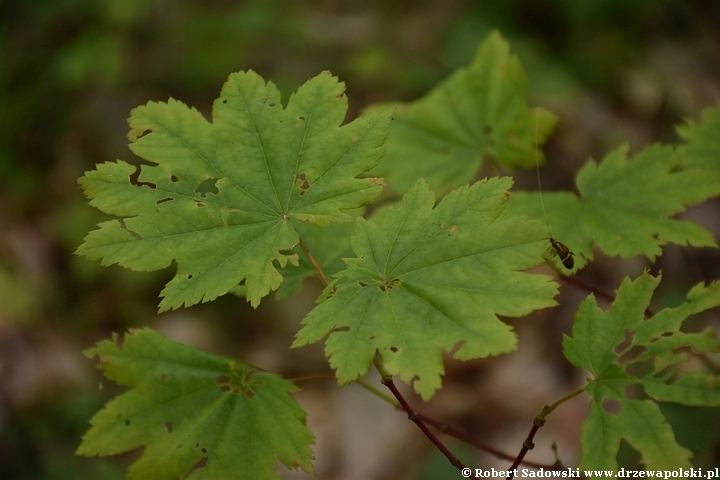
(71, 71)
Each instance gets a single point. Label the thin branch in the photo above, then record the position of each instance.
(538, 422)
(315, 265)
(415, 417)
(448, 430)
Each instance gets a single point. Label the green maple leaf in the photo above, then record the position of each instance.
(220, 199)
(595, 346)
(703, 141)
(198, 415)
(428, 279)
(625, 205)
(478, 111)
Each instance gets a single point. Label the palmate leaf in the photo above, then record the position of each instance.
(703, 141)
(595, 347)
(428, 279)
(198, 415)
(625, 204)
(478, 111)
(220, 198)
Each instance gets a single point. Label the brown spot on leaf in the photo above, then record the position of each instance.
(302, 181)
(198, 465)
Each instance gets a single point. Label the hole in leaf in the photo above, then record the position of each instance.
(224, 100)
(169, 427)
(301, 181)
(627, 339)
(363, 284)
(341, 329)
(135, 179)
(611, 406)
(394, 349)
(139, 135)
(207, 186)
(163, 200)
(631, 354)
(271, 104)
(199, 204)
(189, 277)
(203, 450)
(223, 383)
(173, 178)
(127, 422)
(301, 117)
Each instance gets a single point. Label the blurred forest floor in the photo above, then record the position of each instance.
(71, 71)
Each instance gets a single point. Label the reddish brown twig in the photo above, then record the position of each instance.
(538, 422)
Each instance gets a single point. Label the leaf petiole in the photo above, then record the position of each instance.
(314, 263)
